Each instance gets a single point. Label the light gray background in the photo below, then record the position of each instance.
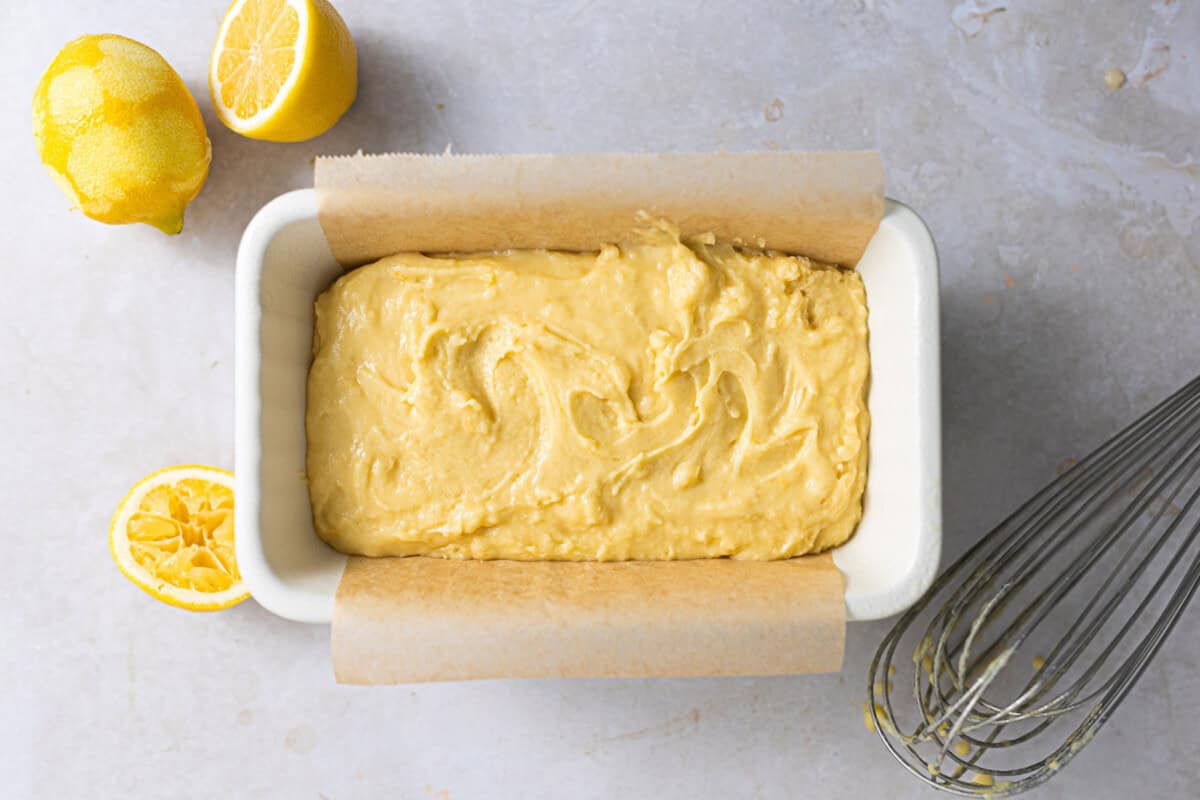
(1068, 221)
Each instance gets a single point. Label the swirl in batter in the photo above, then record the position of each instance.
(662, 400)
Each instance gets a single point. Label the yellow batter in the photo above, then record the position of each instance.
(664, 400)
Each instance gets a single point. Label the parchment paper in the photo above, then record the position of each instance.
(400, 620)
(822, 205)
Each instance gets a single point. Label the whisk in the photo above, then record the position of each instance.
(1043, 627)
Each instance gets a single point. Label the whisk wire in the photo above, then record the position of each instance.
(1026, 532)
(1044, 602)
(1105, 547)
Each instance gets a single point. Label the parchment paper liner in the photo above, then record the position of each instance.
(425, 619)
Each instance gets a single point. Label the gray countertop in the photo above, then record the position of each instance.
(1067, 216)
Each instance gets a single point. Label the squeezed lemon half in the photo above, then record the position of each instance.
(282, 70)
(172, 535)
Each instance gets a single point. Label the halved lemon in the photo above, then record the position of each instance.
(282, 70)
(172, 535)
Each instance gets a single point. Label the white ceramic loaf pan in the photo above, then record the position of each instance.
(283, 263)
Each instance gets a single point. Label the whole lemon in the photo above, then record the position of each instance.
(120, 133)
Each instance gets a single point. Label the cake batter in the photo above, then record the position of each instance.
(660, 400)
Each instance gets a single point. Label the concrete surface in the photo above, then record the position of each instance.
(1068, 220)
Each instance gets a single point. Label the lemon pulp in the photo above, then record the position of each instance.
(173, 536)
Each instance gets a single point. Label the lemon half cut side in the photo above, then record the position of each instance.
(282, 70)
